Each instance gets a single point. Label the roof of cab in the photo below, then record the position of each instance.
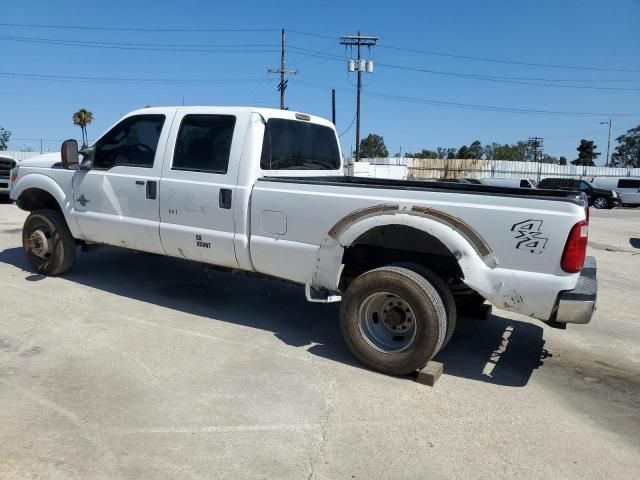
(265, 112)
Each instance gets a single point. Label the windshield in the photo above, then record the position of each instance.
(298, 145)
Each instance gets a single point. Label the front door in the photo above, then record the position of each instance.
(198, 186)
(117, 200)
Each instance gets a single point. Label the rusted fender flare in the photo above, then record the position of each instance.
(471, 250)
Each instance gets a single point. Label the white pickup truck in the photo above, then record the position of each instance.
(263, 191)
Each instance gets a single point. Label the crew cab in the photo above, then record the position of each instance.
(263, 191)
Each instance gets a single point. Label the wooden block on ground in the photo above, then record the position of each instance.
(430, 374)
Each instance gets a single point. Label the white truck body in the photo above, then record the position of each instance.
(300, 224)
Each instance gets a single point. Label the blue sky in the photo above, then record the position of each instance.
(585, 33)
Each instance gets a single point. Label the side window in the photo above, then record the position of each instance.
(204, 143)
(525, 184)
(626, 183)
(133, 142)
(583, 186)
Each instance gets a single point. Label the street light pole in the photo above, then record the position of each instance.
(608, 141)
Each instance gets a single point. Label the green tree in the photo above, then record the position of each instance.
(425, 153)
(627, 153)
(82, 118)
(489, 151)
(373, 147)
(463, 152)
(586, 153)
(5, 135)
(562, 161)
(475, 150)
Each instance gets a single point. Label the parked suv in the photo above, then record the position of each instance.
(598, 197)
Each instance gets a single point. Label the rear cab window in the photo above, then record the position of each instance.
(299, 145)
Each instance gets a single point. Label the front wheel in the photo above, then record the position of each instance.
(48, 243)
(393, 320)
(601, 202)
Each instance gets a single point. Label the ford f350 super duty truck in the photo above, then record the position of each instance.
(263, 191)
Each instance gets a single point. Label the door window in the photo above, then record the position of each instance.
(133, 142)
(583, 186)
(204, 143)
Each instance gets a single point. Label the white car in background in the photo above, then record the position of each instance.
(510, 182)
(627, 187)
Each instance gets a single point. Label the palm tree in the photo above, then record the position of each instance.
(82, 118)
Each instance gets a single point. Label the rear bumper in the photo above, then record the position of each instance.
(578, 305)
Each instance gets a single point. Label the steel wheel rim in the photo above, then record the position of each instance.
(39, 243)
(600, 203)
(387, 322)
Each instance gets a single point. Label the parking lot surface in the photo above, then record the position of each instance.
(141, 366)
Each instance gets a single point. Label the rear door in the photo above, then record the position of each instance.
(198, 185)
(116, 201)
(629, 189)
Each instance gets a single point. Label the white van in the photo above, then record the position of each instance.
(627, 187)
(510, 182)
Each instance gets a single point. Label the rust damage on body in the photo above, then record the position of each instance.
(357, 215)
(466, 230)
(457, 224)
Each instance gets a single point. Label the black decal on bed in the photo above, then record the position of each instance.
(530, 236)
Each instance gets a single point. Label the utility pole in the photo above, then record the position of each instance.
(361, 65)
(282, 86)
(333, 105)
(536, 144)
(608, 141)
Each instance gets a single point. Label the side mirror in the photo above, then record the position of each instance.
(69, 153)
(87, 158)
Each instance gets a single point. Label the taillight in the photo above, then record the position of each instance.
(575, 249)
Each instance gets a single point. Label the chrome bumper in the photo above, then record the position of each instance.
(578, 305)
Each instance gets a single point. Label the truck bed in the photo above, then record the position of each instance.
(434, 186)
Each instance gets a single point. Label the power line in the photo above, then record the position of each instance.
(198, 48)
(489, 108)
(37, 76)
(490, 78)
(138, 29)
(510, 62)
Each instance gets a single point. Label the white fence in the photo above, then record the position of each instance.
(18, 155)
(426, 168)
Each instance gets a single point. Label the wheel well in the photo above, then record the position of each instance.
(34, 199)
(389, 244)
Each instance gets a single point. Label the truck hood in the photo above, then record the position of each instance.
(44, 161)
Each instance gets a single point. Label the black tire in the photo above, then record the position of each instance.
(428, 324)
(445, 295)
(58, 255)
(601, 203)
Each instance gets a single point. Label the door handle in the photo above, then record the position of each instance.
(152, 189)
(224, 198)
(139, 182)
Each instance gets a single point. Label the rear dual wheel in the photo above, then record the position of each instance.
(394, 320)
